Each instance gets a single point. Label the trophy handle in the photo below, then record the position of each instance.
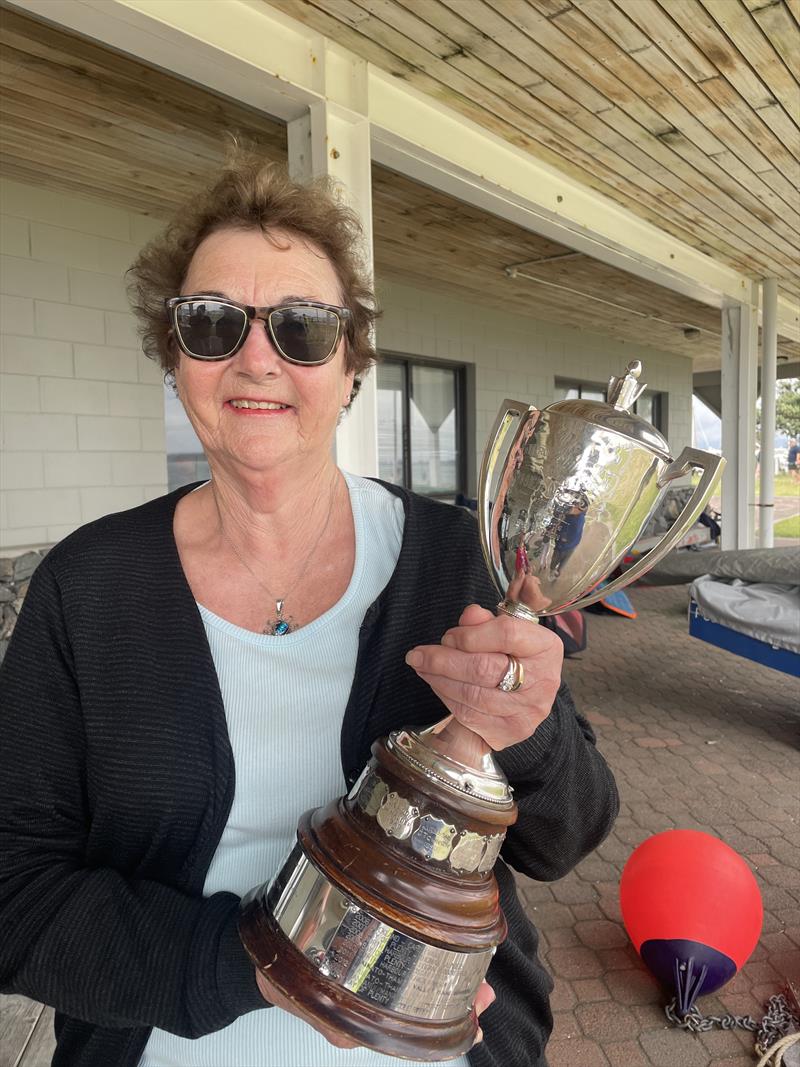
(712, 467)
(511, 423)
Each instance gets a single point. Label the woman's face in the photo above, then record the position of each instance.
(247, 267)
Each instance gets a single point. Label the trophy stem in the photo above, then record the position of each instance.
(517, 610)
(452, 739)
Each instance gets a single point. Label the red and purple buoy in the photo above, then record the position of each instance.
(692, 909)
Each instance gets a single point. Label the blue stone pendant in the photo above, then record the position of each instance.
(280, 626)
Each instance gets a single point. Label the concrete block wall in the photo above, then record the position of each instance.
(520, 358)
(81, 409)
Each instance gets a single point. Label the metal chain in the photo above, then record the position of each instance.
(698, 1023)
(780, 1019)
(279, 601)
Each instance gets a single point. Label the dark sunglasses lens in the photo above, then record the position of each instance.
(209, 329)
(305, 334)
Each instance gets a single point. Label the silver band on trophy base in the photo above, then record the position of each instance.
(368, 957)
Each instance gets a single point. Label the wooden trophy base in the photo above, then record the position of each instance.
(384, 919)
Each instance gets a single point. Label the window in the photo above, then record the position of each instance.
(565, 390)
(650, 405)
(186, 462)
(421, 436)
(421, 430)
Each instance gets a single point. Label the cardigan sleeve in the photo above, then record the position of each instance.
(565, 793)
(97, 945)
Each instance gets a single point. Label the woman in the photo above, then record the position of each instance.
(188, 677)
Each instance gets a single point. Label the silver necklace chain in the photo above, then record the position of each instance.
(282, 625)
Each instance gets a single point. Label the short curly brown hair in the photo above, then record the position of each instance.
(252, 194)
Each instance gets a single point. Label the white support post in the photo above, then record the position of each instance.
(333, 139)
(748, 417)
(769, 365)
(739, 381)
(730, 417)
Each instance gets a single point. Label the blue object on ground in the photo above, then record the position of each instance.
(618, 603)
(781, 659)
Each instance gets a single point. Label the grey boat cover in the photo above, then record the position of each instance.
(778, 565)
(767, 611)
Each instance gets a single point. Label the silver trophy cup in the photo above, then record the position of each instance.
(385, 916)
(565, 492)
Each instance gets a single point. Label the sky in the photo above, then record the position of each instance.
(707, 428)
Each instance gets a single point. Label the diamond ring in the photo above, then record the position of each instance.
(513, 678)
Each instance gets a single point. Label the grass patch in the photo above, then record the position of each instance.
(787, 527)
(784, 485)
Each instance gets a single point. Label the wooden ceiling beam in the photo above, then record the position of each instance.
(623, 149)
(492, 159)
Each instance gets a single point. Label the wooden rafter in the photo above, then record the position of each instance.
(82, 118)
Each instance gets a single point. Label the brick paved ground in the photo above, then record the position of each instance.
(700, 739)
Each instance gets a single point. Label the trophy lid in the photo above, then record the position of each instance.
(615, 414)
(456, 758)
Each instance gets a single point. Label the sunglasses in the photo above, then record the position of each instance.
(303, 332)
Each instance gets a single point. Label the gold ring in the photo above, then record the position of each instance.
(513, 678)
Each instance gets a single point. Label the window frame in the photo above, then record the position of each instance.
(462, 383)
(659, 398)
(574, 383)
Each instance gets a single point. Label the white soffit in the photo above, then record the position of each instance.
(258, 55)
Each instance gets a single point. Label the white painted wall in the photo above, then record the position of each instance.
(81, 409)
(520, 358)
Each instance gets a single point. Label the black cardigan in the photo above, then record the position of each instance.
(117, 777)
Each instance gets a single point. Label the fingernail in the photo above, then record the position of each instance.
(448, 640)
(414, 658)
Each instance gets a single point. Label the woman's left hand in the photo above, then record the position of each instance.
(483, 998)
(465, 669)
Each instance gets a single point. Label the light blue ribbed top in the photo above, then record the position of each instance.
(284, 701)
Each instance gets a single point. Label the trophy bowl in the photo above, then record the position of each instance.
(564, 493)
(384, 918)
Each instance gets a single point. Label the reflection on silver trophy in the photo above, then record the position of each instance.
(566, 491)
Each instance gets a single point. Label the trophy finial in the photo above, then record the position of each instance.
(624, 392)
